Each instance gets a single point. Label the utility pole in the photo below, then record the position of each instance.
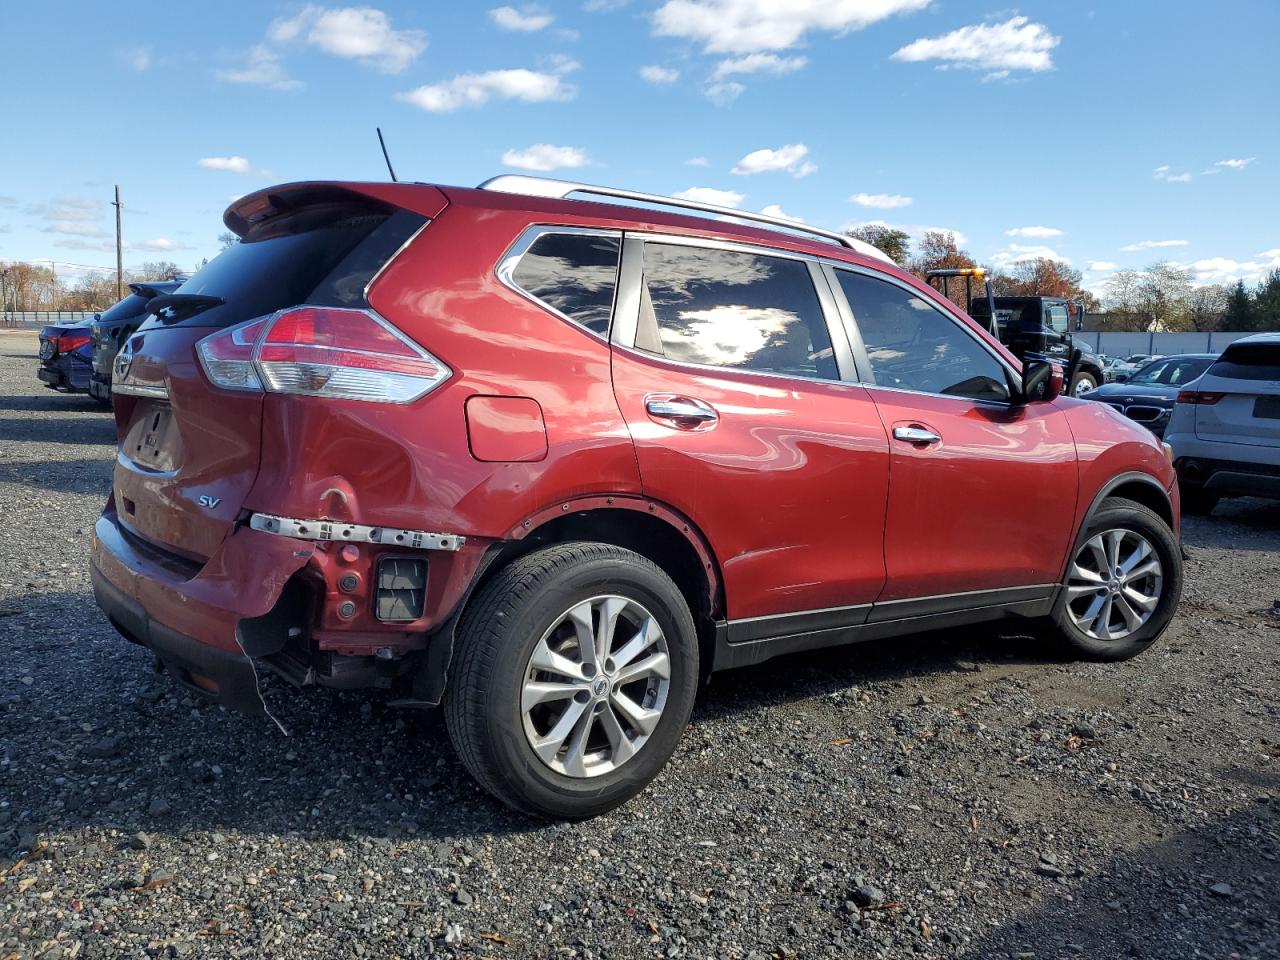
(119, 250)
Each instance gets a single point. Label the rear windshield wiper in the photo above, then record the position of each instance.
(173, 307)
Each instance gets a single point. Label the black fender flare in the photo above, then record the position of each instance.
(1108, 488)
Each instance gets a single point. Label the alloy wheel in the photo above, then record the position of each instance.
(1114, 585)
(595, 686)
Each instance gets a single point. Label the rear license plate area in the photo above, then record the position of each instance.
(150, 438)
(1267, 408)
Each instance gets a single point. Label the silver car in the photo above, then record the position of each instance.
(1225, 427)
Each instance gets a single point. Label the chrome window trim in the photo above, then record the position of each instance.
(860, 350)
(626, 316)
(393, 258)
(506, 268)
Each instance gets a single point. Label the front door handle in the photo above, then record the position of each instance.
(687, 413)
(915, 435)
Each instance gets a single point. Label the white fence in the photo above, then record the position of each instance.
(1162, 344)
(39, 318)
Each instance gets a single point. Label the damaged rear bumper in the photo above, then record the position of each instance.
(192, 622)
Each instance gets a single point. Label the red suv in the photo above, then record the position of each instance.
(550, 462)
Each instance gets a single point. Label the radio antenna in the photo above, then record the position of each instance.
(386, 156)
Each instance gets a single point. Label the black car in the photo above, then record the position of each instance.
(110, 330)
(1149, 394)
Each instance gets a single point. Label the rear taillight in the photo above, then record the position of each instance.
(68, 342)
(1205, 397)
(227, 356)
(322, 352)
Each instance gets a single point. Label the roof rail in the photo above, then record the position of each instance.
(561, 189)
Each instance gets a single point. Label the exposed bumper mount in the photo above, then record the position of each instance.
(354, 533)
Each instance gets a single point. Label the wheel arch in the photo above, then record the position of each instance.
(1133, 485)
(651, 529)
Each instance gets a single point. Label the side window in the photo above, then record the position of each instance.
(1055, 318)
(741, 311)
(912, 345)
(573, 274)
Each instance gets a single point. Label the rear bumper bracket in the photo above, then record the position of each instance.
(355, 533)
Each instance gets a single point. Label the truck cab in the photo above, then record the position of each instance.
(1033, 328)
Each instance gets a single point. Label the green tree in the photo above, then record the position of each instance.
(1266, 303)
(1238, 315)
(893, 243)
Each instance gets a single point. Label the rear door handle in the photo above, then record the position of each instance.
(915, 435)
(684, 412)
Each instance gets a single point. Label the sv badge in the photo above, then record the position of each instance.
(208, 502)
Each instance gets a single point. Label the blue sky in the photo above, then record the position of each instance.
(1110, 134)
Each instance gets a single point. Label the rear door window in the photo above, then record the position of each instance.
(574, 274)
(1248, 361)
(731, 309)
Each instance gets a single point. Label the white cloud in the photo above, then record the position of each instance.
(135, 58)
(1226, 270)
(160, 244)
(1162, 173)
(790, 158)
(66, 209)
(1235, 164)
(1153, 244)
(262, 68)
(881, 201)
(758, 63)
(697, 162)
(75, 228)
(363, 34)
(477, 89)
(543, 157)
(659, 75)
(1016, 44)
(528, 19)
(1101, 266)
(749, 26)
(773, 210)
(723, 94)
(1039, 232)
(1017, 253)
(720, 198)
(914, 230)
(229, 164)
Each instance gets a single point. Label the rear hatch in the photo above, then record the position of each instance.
(1247, 376)
(189, 451)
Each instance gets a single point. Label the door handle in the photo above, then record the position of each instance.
(915, 435)
(685, 412)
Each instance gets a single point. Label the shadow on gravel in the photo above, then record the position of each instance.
(1223, 528)
(54, 402)
(60, 476)
(966, 650)
(1156, 901)
(64, 426)
(151, 757)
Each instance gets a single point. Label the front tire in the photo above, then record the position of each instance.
(574, 676)
(1083, 383)
(1123, 583)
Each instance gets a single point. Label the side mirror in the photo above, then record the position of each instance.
(1039, 383)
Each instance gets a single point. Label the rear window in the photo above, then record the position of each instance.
(329, 265)
(1249, 361)
(574, 274)
(130, 306)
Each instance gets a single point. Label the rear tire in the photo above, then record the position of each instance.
(536, 707)
(1123, 584)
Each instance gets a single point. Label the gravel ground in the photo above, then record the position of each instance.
(950, 795)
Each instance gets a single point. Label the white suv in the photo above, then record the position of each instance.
(1225, 428)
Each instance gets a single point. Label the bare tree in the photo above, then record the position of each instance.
(1206, 307)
